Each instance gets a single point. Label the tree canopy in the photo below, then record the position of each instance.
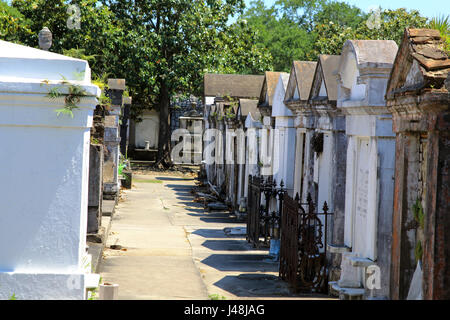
(161, 47)
(164, 47)
(303, 29)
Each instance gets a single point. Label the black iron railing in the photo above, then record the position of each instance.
(303, 245)
(264, 218)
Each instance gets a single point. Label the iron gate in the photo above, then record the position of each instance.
(254, 205)
(261, 221)
(303, 246)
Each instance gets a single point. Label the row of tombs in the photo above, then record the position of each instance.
(342, 166)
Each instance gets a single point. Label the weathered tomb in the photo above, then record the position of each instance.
(419, 102)
(329, 144)
(296, 99)
(246, 143)
(192, 124)
(95, 198)
(252, 125)
(221, 91)
(43, 215)
(218, 87)
(267, 135)
(125, 125)
(284, 155)
(111, 182)
(269, 144)
(363, 74)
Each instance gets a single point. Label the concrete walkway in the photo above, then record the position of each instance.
(168, 247)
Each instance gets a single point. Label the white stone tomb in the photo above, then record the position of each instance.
(45, 162)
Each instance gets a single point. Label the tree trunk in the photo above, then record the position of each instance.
(164, 129)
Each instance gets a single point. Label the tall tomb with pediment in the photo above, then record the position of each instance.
(363, 74)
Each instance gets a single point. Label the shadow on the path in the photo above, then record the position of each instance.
(174, 179)
(226, 245)
(180, 187)
(261, 286)
(183, 193)
(254, 285)
(241, 262)
(210, 233)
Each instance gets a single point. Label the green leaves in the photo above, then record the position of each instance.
(442, 23)
(13, 25)
(303, 29)
(71, 99)
(418, 213)
(390, 26)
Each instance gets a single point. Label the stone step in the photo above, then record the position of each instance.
(333, 248)
(361, 262)
(347, 293)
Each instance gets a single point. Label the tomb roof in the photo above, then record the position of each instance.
(233, 85)
(421, 63)
(372, 53)
(268, 88)
(326, 68)
(300, 79)
(20, 63)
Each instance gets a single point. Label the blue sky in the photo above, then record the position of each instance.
(427, 8)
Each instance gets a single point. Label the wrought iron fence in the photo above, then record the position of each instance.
(254, 207)
(263, 221)
(303, 245)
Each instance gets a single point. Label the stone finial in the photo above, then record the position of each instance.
(45, 38)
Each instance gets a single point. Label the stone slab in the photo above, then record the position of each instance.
(338, 249)
(361, 262)
(108, 207)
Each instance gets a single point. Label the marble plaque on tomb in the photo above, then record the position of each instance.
(362, 226)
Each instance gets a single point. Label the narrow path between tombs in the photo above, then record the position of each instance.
(162, 245)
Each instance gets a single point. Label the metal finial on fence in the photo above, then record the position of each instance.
(297, 197)
(325, 207)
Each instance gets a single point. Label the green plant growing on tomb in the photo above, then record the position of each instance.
(102, 82)
(418, 251)
(419, 217)
(71, 99)
(442, 23)
(95, 140)
(13, 297)
(229, 113)
(418, 213)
